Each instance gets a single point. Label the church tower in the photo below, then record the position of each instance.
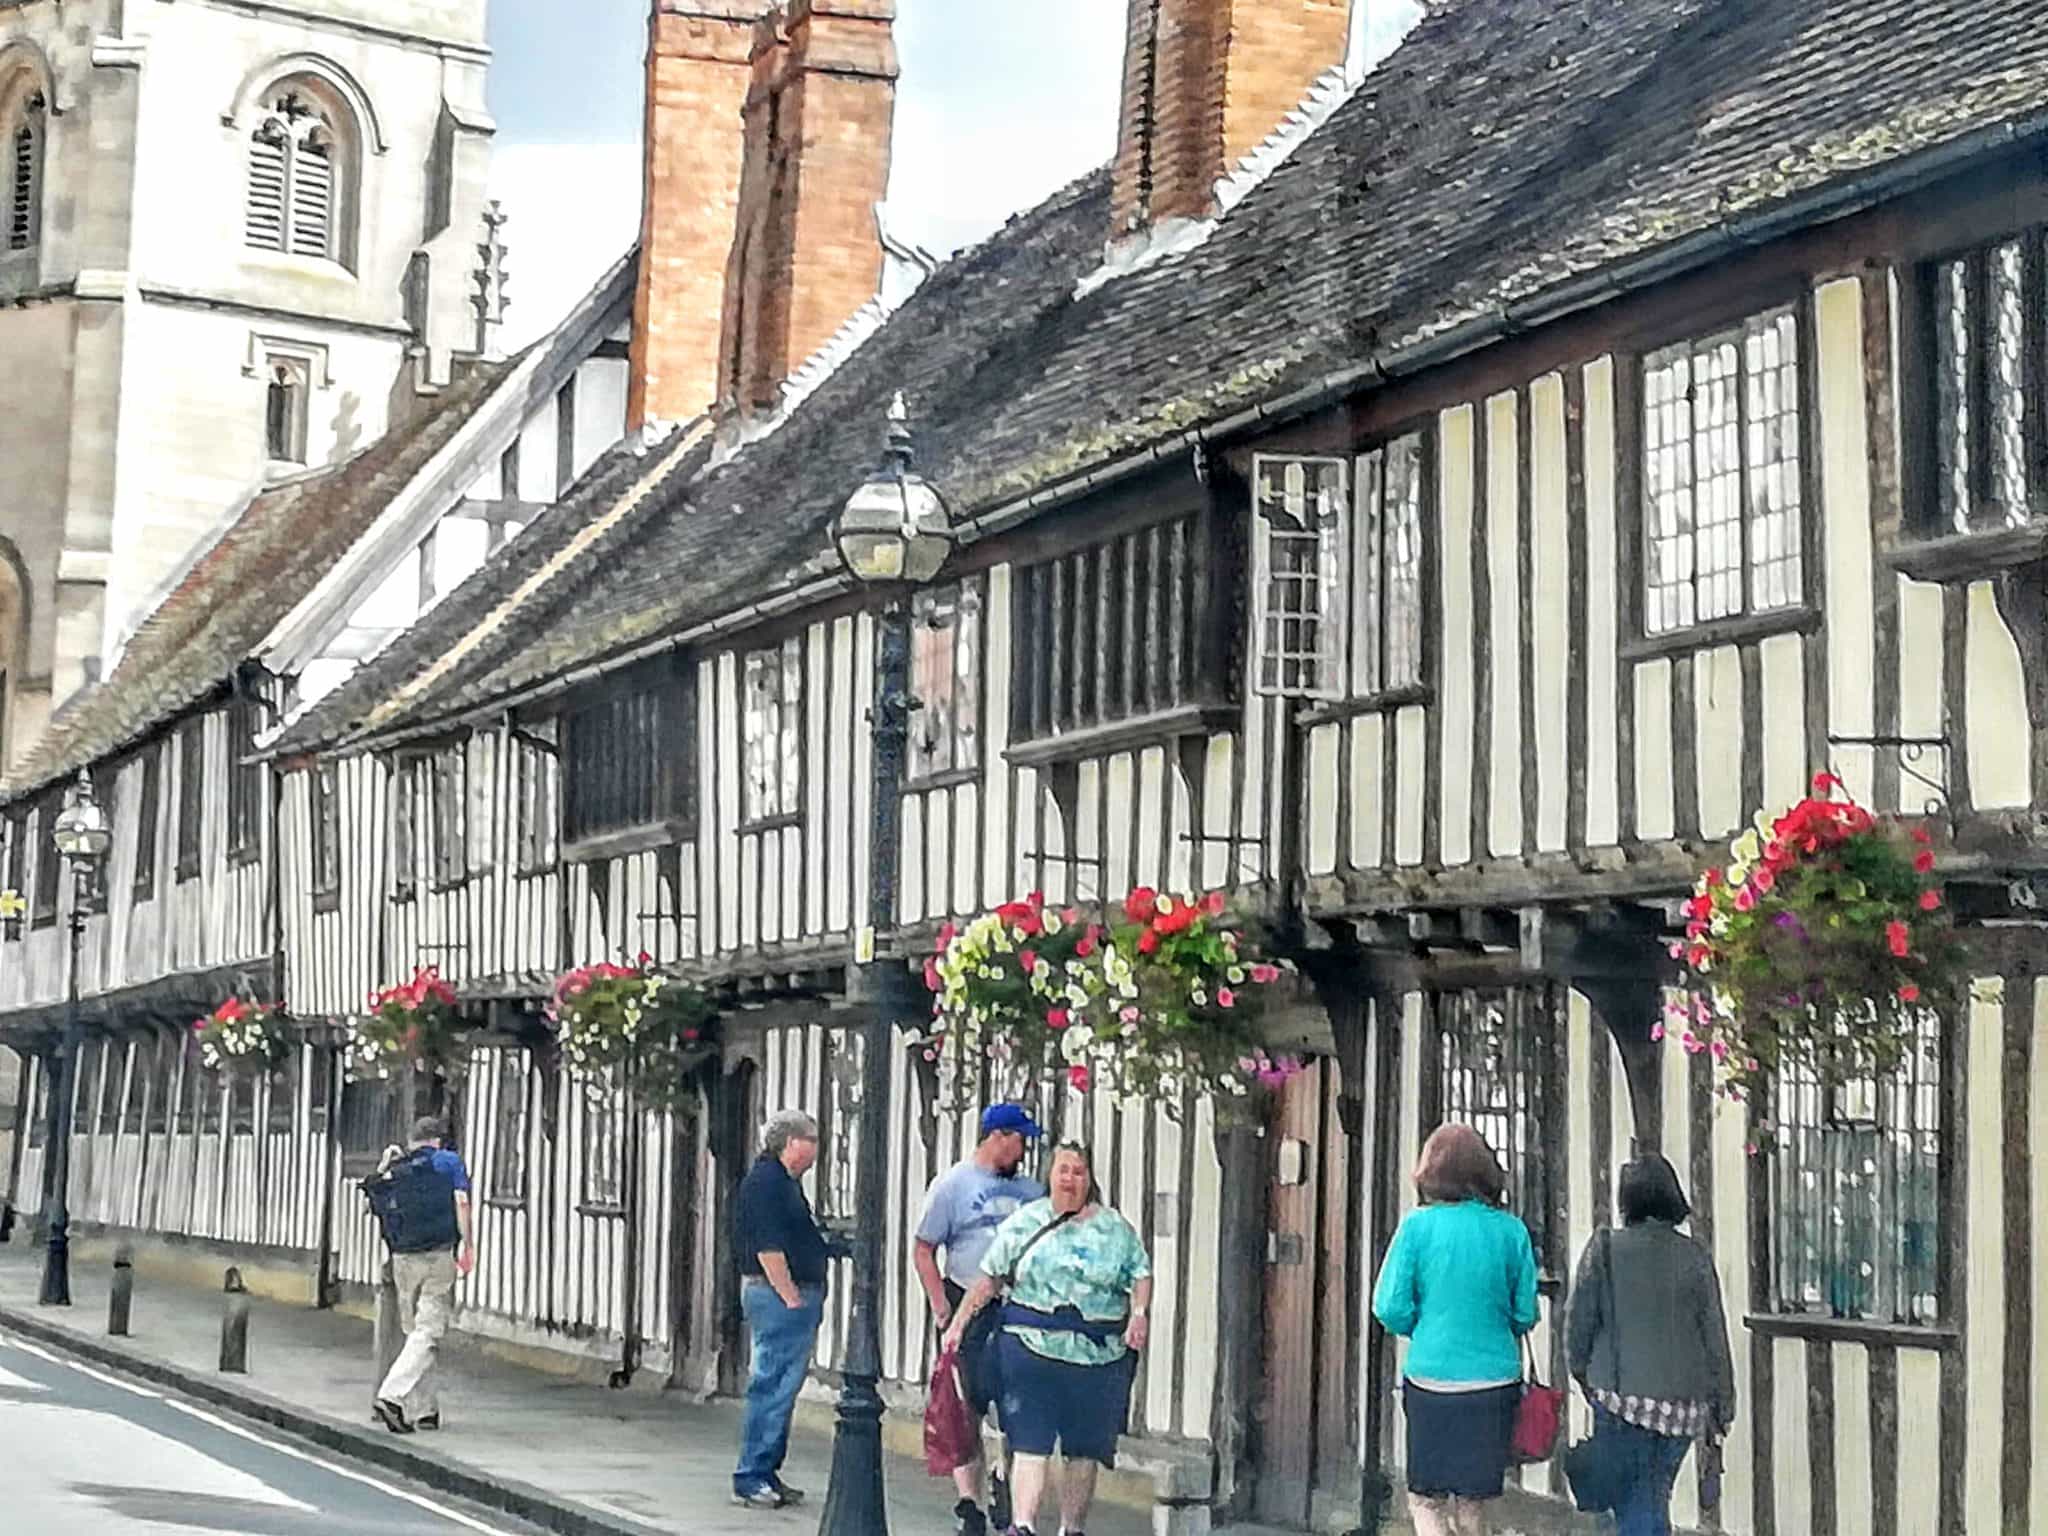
(237, 243)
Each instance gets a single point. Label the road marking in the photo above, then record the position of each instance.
(228, 1426)
(84, 1370)
(69, 1446)
(14, 1383)
(418, 1500)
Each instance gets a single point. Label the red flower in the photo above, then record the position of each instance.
(1029, 959)
(1148, 941)
(1921, 836)
(1824, 782)
(1141, 904)
(1058, 1018)
(1071, 916)
(1929, 900)
(1896, 937)
(947, 935)
(1079, 1077)
(1923, 861)
(1713, 877)
(1088, 941)
(644, 958)
(1697, 956)
(1182, 917)
(1909, 993)
(1700, 908)
(1213, 904)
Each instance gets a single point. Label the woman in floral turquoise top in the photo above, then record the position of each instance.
(1078, 1288)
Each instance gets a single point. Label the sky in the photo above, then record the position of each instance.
(1001, 102)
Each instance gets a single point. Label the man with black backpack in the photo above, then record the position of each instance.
(421, 1200)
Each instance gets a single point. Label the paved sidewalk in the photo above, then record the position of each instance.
(575, 1457)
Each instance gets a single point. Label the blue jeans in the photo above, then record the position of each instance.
(782, 1357)
(1649, 1465)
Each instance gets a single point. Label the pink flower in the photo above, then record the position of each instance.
(1058, 1018)
(644, 958)
(1749, 1148)
(1720, 1049)
(1909, 993)
(1028, 958)
(1263, 972)
(931, 975)
(1225, 998)
(1213, 904)
(1129, 1014)
(947, 935)
(1079, 1077)
(1929, 900)
(1657, 1031)
(1745, 899)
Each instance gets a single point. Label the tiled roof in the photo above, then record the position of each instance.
(1506, 151)
(236, 590)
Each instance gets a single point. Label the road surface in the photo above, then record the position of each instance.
(83, 1453)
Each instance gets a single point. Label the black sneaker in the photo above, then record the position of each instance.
(764, 1497)
(789, 1495)
(428, 1421)
(391, 1416)
(998, 1502)
(968, 1520)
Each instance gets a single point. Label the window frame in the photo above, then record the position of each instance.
(191, 833)
(24, 151)
(245, 783)
(536, 800)
(48, 895)
(323, 835)
(18, 835)
(958, 610)
(302, 121)
(1354, 579)
(402, 827)
(1930, 513)
(509, 1181)
(781, 659)
(1636, 446)
(1535, 1162)
(606, 1105)
(1773, 1310)
(447, 817)
(148, 818)
(627, 760)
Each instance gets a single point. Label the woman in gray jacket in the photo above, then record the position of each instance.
(1648, 1344)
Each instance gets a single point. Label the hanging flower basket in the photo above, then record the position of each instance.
(243, 1038)
(1820, 946)
(412, 1026)
(609, 1016)
(1164, 997)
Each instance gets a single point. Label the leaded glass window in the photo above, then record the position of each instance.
(1855, 1174)
(1987, 352)
(1340, 590)
(1722, 472)
(772, 735)
(1501, 1071)
(945, 729)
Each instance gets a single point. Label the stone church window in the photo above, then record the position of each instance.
(297, 178)
(284, 419)
(24, 170)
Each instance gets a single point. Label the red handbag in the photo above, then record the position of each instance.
(950, 1439)
(1539, 1416)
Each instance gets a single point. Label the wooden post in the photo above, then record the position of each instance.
(389, 1337)
(234, 1326)
(122, 1294)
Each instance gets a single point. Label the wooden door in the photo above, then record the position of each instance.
(1308, 1405)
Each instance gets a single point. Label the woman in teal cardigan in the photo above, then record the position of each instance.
(1459, 1283)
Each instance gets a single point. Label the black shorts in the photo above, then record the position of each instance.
(978, 1352)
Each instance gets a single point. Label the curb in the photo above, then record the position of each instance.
(522, 1501)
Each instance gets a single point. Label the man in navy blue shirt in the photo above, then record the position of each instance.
(425, 1207)
(782, 1258)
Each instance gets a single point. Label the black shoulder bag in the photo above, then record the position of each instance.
(1591, 1467)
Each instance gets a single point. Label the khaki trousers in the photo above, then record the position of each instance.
(426, 1306)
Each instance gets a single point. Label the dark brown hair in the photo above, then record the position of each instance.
(1650, 1191)
(1457, 1164)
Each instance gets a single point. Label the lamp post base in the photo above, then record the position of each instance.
(856, 1504)
(57, 1269)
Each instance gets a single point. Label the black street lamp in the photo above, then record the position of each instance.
(894, 534)
(82, 837)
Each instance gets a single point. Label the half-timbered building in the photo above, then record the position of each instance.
(1442, 522)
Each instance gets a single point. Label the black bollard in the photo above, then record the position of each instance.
(234, 1326)
(122, 1294)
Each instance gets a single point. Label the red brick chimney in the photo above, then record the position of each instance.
(697, 77)
(807, 250)
(1205, 81)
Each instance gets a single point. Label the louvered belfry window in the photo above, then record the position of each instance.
(293, 196)
(24, 146)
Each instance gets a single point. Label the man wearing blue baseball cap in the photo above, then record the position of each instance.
(961, 1213)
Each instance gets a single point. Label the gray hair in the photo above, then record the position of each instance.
(785, 1126)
